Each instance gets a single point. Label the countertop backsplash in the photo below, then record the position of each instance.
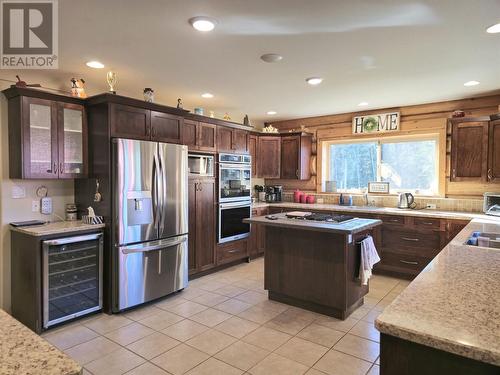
(443, 204)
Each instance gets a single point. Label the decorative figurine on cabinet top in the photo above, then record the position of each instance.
(149, 95)
(77, 88)
(179, 103)
(227, 117)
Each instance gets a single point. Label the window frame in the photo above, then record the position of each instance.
(379, 141)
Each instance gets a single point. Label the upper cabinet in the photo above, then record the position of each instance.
(199, 136)
(47, 136)
(494, 152)
(296, 156)
(268, 156)
(145, 124)
(469, 149)
(232, 140)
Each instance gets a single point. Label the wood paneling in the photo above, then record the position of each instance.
(419, 119)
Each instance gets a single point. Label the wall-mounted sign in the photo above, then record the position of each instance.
(378, 187)
(378, 123)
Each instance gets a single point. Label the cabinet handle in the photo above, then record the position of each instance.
(55, 168)
(490, 176)
(153, 131)
(393, 220)
(408, 262)
(297, 173)
(233, 251)
(148, 131)
(454, 174)
(61, 168)
(410, 239)
(427, 223)
(195, 186)
(201, 187)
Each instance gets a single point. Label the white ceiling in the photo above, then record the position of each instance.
(387, 53)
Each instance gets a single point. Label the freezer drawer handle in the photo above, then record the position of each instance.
(145, 249)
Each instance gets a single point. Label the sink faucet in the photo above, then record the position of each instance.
(366, 199)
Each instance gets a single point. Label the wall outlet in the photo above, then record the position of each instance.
(430, 206)
(35, 206)
(46, 205)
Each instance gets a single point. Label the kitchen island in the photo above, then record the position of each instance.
(447, 321)
(314, 264)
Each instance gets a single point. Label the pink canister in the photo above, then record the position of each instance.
(303, 198)
(310, 199)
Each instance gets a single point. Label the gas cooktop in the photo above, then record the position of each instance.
(321, 217)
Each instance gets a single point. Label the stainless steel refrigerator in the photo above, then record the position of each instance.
(150, 221)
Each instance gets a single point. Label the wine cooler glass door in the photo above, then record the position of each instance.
(72, 277)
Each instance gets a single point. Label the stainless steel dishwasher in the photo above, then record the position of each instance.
(72, 277)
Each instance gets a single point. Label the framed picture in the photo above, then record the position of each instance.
(378, 187)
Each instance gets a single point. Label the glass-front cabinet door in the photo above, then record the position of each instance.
(40, 138)
(72, 140)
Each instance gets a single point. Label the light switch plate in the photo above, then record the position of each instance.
(46, 205)
(18, 192)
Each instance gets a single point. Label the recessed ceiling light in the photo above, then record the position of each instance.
(207, 95)
(314, 80)
(363, 104)
(493, 29)
(471, 83)
(271, 113)
(95, 64)
(271, 57)
(203, 23)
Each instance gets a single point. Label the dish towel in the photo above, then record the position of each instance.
(369, 257)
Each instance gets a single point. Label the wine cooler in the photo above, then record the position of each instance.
(72, 277)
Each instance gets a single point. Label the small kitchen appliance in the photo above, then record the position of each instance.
(491, 204)
(406, 200)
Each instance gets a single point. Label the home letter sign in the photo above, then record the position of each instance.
(379, 123)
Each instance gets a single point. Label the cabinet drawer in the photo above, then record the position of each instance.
(259, 211)
(231, 251)
(423, 243)
(427, 223)
(404, 263)
(396, 220)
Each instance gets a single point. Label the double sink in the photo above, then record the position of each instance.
(483, 239)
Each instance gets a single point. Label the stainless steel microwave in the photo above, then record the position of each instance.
(201, 165)
(492, 204)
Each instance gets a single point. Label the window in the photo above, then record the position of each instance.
(409, 164)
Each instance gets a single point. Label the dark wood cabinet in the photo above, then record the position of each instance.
(166, 127)
(252, 150)
(257, 240)
(240, 140)
(144, 124)
(469, 149)
(296, 156)
(232, 251)
(130, 122)
(493, 173)
(47, 136)
(201, 224)
(207, 140)
(269, 156)
(199, 136)
(232, 140)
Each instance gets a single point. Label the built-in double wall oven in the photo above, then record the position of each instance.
(235, 191)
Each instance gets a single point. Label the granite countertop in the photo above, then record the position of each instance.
(378, 210)
(23, 352)
(56, 228)
(454, 303)
(352, 226)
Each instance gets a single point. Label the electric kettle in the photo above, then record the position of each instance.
(406, 200)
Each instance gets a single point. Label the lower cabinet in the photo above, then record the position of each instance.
(202, 215)
(232, 251)
(257, 240)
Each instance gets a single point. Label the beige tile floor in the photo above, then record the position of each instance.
(224, 324)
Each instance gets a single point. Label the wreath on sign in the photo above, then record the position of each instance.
(370, 124)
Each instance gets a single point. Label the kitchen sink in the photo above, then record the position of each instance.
(484, 239)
